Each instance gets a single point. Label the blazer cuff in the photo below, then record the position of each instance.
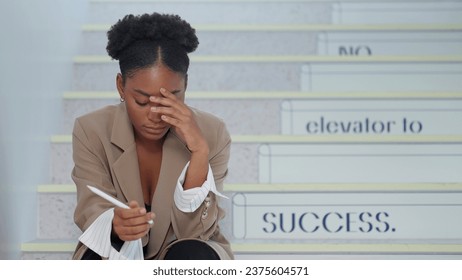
(189, 200)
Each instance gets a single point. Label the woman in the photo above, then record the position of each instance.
(165, 160)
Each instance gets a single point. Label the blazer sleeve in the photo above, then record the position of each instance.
(89, 169)
(203, 223)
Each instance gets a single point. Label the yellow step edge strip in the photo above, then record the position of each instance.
(342, 139)
(293, 139)
(303, 27)
(239, 1)
(319, 139)
(342, 187)
(289, 248)
(83, 59)
(56, 188)
(348, 248)
(199, 1)
(54, 247)
(70, 95)
(364, 187)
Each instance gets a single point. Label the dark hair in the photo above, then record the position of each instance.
(145, 40)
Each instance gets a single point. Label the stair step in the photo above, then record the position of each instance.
(294, 250)
(296, 73)
(250, 157)
(238, 109)
(377, 12)
(113, 95)
(207, 12)
(302, 27)
(229, 110)
(284, 139)
(308, 39)
(339, 187)
(250, 206)
(280, 12)
(95, 59)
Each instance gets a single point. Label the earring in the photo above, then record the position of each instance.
(122, 100)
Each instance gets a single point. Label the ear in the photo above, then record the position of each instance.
(120, 85)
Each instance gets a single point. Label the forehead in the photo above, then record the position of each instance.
(153, 78)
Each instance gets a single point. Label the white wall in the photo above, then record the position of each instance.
(37, 42)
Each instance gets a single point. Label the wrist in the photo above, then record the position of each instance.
(200, 149)
(200, 157)
(198, 169)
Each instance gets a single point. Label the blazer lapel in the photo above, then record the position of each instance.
(175, 155)
(125, 167)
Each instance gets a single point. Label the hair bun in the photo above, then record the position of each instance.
(150, 27)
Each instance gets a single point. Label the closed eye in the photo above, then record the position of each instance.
(141, 103)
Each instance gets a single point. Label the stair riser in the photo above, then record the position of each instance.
(270, 256)
(227, 76)
(229, 43)
(56, 216)
(46, 256)
(335, 76)
(239, 12)
(243, 165)
(241, 116)
(61, 206)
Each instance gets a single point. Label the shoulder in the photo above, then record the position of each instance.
(98, 117)
(213, 128)
(205, 119)
(95, 122)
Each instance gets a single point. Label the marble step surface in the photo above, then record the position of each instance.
(294, 73)
(249, 151)
(337, 250)
(225, 42)
(59, 201)
(242, 116)
(303, 39)
(244, 111)
(278, 11)
(206, 12)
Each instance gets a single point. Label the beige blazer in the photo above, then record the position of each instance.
(104, 154)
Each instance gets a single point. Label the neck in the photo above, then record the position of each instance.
(152, 146)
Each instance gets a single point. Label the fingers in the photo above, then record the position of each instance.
(168, 100)
(131, 224)
(176, 113)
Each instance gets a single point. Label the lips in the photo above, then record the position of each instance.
(154, 129)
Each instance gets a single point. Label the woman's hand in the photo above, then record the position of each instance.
(174, 112)
(131, 224)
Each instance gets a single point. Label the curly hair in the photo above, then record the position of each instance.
(143, 41)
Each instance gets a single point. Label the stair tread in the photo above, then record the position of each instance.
(327, 187)
(83, 59)
(313, 247)
(89, 95)
(285, 139)
(100, 27)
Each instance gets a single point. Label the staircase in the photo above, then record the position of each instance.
(345, 119)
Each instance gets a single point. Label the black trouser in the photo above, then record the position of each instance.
(191, 250)
(183, 250)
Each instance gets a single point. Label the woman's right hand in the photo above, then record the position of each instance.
(131, 224)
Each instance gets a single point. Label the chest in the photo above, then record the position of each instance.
(149, 165)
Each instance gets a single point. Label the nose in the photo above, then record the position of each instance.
(154, 116)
